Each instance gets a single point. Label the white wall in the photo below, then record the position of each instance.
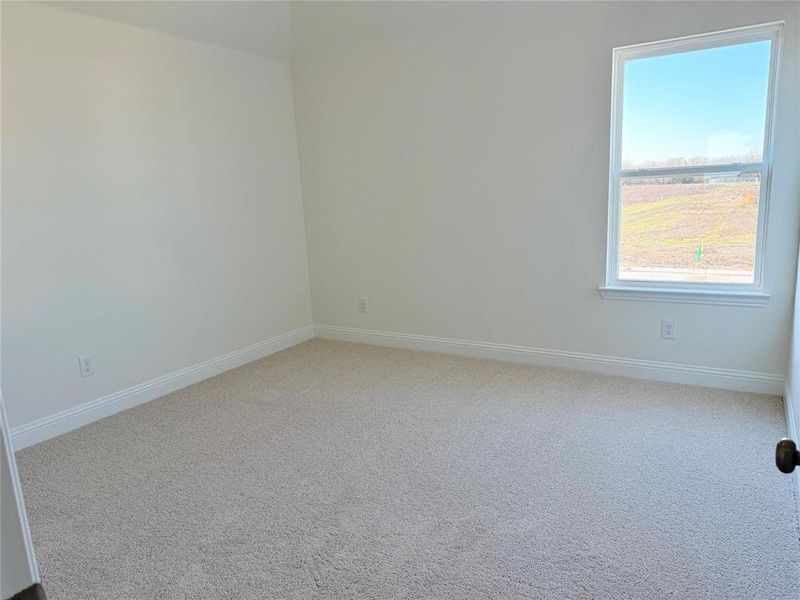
(151, 207)
(454, 163)
(460, 181)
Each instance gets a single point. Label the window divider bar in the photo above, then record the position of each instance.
(693, 170)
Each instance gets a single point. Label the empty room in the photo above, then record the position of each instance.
(382, 300)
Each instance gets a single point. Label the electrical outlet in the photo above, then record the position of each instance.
(87, 365)
(668, 329)
(363, 304)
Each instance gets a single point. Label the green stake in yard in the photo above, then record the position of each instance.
(699, 253)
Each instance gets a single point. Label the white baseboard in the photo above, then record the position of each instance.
(45, 428)
(745, 381)
(791, 424)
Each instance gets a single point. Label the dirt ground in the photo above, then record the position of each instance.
(689, 226)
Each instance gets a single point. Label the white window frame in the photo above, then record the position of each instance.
(754, 294)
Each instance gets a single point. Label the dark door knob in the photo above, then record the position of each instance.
(786, 455)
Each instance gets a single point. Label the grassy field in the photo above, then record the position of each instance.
(698, 226)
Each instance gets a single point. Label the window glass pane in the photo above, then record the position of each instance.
(696, 108)
(689, 228)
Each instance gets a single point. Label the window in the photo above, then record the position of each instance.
(690, 167)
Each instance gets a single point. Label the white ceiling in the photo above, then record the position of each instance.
(261, 27)
(279, 28)
(319, 27)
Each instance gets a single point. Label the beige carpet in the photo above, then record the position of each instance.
(336, 470)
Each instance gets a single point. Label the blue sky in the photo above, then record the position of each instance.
(702, 103)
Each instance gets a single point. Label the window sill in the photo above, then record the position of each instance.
(688, 296)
